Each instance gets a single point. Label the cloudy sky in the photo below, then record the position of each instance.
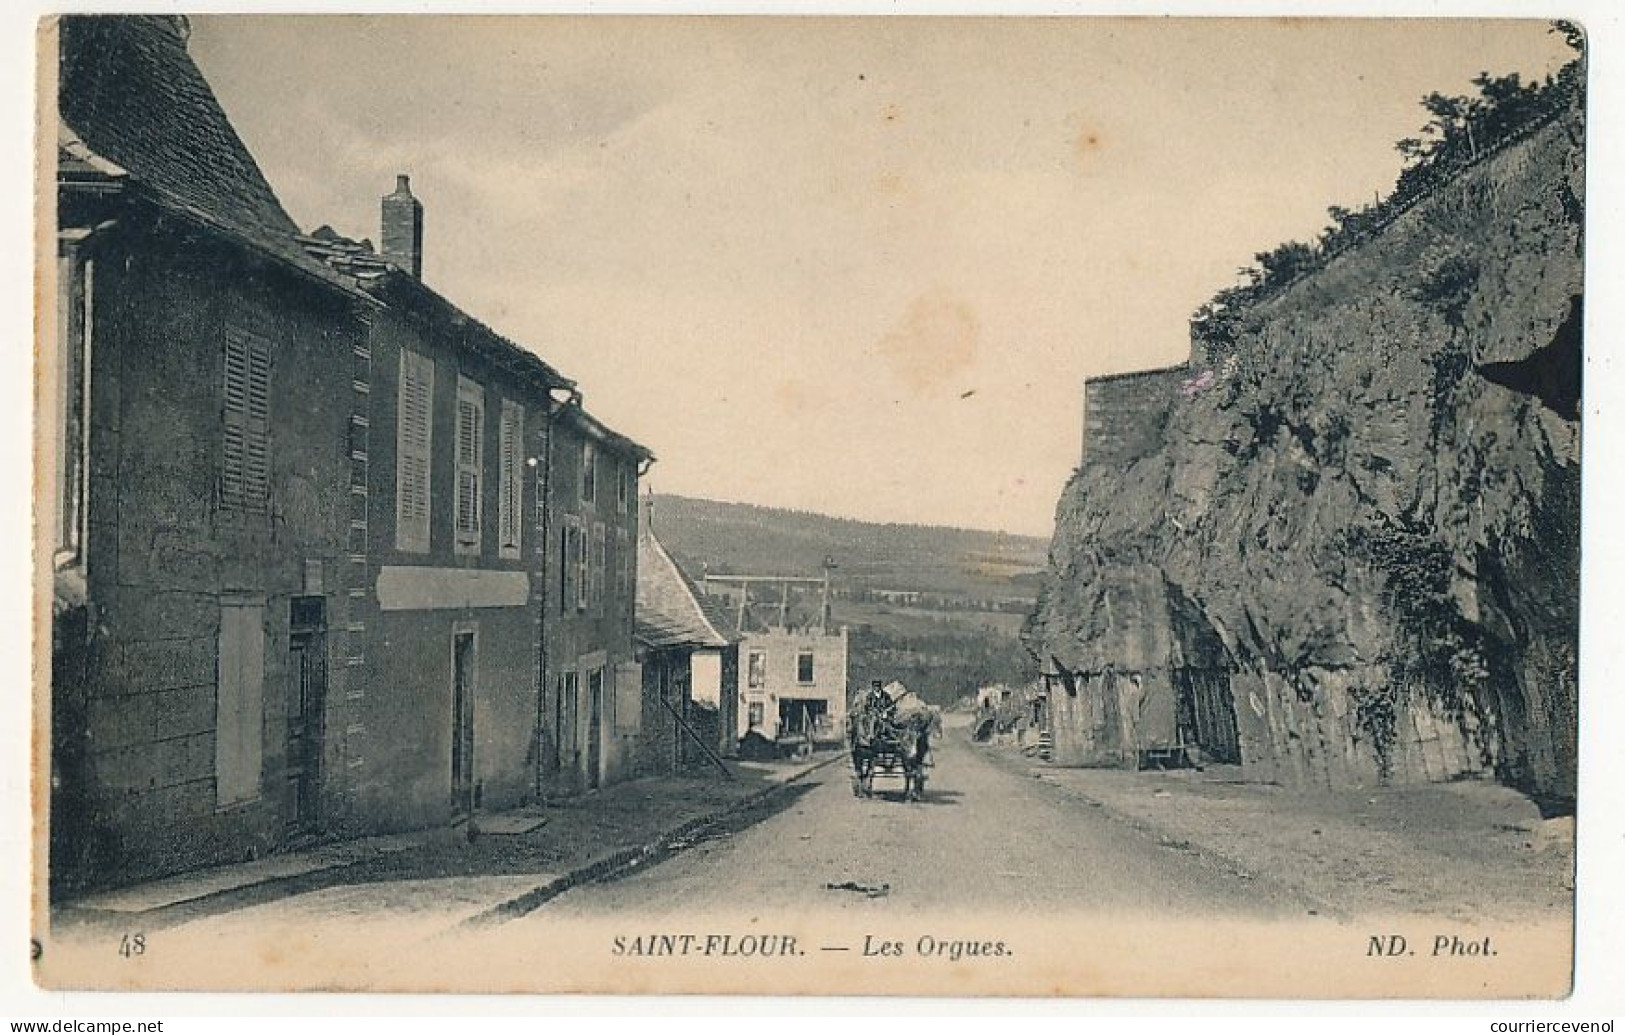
(859, 266)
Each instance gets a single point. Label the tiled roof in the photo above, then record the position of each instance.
(131, 97)
(722, 617)
(357, 259)
(383, 280)
(604, 433)
(669, 612)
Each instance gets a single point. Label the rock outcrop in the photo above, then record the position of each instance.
(1346, 545)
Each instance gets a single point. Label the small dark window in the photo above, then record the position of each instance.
(804, 667)
(307, 612)
(589, 473)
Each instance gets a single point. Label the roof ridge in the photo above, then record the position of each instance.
(662, 578)
(131, 94)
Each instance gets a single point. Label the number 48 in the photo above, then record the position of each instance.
(132, 945)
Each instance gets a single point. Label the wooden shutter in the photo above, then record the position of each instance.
(511, 485)
(245, 468)
(414, 428)
(583, 569)
(599, 551)
(623, 564)
(567, 566)
(470, 456)
(628, 697)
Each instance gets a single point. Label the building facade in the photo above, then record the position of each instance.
(448, 498)
(793, 683)
(201, 472)
(328, 554)
(685, 657)
(591, 702)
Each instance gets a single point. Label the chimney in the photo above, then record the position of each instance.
(403, 228)
(646, 516)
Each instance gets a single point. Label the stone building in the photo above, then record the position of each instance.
(793, 682)
(329, 555)
(1124, 414)
(590, 706)
(793, 663)
(690, 666)
(502, 536)
(202, 473)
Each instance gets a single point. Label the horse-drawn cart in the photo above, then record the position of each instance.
(889, 757)
(891, 738)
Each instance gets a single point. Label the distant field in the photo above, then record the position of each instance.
(956, 562)
(925, 621)
(938, 608)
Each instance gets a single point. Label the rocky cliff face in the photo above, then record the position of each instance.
(1369, 495)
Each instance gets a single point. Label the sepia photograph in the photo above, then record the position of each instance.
(764, 506)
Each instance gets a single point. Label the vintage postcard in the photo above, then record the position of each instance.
(808, 505)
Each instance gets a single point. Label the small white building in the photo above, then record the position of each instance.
(793, 681)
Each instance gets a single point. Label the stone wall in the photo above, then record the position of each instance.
(134, 725)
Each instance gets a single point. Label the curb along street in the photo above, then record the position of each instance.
(628, 860)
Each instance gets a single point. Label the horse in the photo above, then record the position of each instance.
(913, 740)
(861, 744)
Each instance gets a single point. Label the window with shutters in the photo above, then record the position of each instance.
(414, 429)
(566, 567)
(470, 461)
(628, 697)
(583, 566)
(600, 563)
(511, 488)
(245, 461)
(573, 590)
(623, 565)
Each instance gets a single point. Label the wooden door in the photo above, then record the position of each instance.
(307, 704)
(462, 722)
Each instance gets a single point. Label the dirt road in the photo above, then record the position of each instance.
(985, 838)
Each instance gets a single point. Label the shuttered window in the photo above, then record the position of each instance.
(569, 543)
(245, 468)
(510, 512)
(583, 570)
(239, 702)
(623, 565)
(414, 429)
(470, 460)
(628, 697)
(599, 565)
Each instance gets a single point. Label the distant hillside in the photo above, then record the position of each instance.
(958, 562)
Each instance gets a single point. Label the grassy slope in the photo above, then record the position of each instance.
(978, 586)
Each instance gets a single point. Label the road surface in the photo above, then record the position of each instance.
(985, 837)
